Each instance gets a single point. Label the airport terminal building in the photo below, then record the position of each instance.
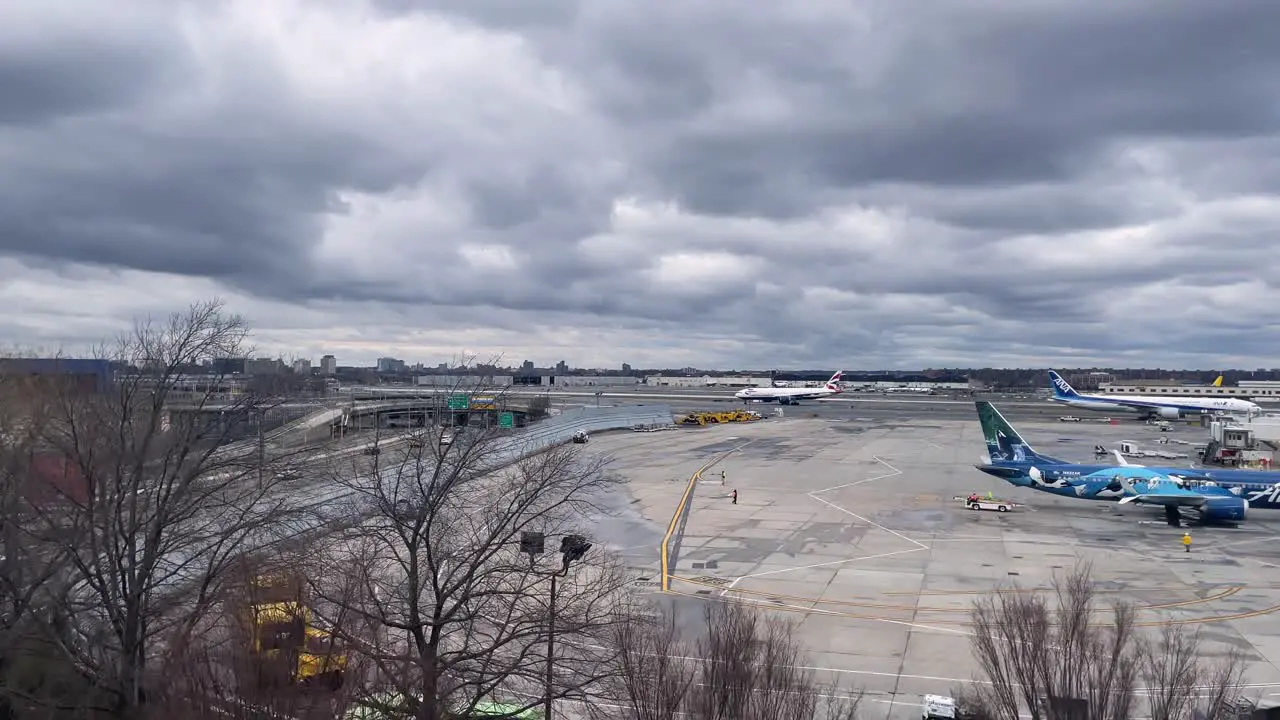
(1249, 389)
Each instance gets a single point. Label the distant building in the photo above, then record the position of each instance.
(706, 381)
(390, 365)
(229, 366)
(562, 367)
(84, 376)
(464, 382)
(626, 367)
(328, 365)
(527, 366)
(593, 381)
(302, 366)
(264, 366)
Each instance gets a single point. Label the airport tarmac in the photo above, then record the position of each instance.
(852, 529)
(866, 409)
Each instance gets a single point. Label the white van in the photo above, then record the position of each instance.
(937, 706)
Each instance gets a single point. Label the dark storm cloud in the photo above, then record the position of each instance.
(59, 71)
(1029, 93)
(804, 182)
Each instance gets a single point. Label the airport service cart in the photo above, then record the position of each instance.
(986, 504)
(937, 706)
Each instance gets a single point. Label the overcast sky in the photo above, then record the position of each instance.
(808, 183)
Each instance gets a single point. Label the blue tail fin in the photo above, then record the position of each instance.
(1004, 444)
(1061, 388)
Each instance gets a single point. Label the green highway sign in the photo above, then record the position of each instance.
(506, 420)
(459, 402)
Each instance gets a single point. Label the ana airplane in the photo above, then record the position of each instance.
(792, 396)
(1213, 495)
(1147, 406)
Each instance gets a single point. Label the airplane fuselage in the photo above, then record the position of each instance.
(1260, 488)
(1155, 406)
(791, 396)
(785, 396)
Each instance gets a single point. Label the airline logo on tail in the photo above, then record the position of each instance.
(1061, 386)
(834, 383)
(1004, 444)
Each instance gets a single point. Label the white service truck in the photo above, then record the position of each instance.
(937, 706)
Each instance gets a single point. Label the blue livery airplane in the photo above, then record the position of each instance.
(1147, 406)
(1215, 496)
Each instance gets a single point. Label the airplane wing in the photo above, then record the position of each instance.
(1156, 491)
(1167, 499)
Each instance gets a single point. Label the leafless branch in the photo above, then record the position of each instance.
(153, 503)
(458, 615)
(1067, 658)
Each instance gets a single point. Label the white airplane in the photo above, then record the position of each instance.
(792, 396)
(1150, 406)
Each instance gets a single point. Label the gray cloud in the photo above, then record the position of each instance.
(804, 184)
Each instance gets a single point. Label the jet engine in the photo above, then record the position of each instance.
(1224, 509)
(1169, 413)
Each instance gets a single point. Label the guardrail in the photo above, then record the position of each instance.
(559, 429)
(337, 504)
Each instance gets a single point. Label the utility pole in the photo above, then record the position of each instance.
(551, 649)
(572, 547)
(262, 447)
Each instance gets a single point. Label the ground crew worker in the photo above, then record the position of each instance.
(734, 495)
(1186, 541)
(722, 477)
(973, 497)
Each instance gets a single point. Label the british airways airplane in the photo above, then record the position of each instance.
(1215, 496)
(792, 396)
(1148, 406)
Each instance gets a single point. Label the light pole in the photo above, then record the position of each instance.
(572, 548)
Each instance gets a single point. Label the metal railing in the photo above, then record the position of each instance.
(337, 504)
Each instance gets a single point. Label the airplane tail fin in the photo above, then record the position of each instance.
(1004, 444)
(1218, 382)
(834, 383)
(1061, 388)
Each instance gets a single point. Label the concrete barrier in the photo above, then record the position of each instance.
(338, 505)
(559, 429)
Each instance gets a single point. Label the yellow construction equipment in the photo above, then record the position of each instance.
(713, 417)
(284, 638)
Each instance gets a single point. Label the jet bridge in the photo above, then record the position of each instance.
(1245, 440)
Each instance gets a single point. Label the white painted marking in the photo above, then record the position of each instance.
(895, 472)
(826, 564)
(850, 513)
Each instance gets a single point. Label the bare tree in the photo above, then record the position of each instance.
(655, 667)
(745, 665)
(751, 668)
(257, 657)
(1181, 684)
(155, 504)
(1062, 657)
(32, 674)
(459, 615)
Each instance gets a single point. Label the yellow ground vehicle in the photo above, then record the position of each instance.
(285, 642)
(705, 417)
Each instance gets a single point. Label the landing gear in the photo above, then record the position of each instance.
(1172, 516)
